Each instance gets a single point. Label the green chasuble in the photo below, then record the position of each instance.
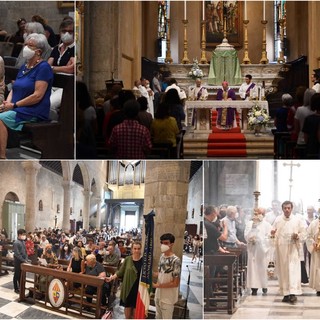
(224, 66)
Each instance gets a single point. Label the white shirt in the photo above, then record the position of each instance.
(316, 87)
(182, 94)
(243, 89)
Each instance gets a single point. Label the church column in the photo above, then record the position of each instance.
(102, 42)
(86, 208)
(31, 168)
(166, 191)
(67, 186)
(98, 218)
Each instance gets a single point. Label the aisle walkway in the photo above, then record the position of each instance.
(270, 306)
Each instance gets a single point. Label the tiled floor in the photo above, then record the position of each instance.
(10, 308)
(270, 306)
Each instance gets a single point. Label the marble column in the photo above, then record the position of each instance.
(31, 169)
(166, 191)
(86, 208)
(67, 187)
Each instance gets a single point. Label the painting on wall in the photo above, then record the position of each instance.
(223, 13)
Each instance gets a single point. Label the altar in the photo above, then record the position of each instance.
(202, 120)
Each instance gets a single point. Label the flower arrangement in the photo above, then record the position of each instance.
(257, 116)
(195, 71)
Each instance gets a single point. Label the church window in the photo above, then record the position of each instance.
(163, 10)
(280, 13)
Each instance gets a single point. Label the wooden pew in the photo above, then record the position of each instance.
(54, 139)
(220, 300)
(6, 263)
(75, 303)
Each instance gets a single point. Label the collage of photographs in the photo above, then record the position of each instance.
(160, 159)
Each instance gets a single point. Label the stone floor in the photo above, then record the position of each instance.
(10, 308)
(270, 306)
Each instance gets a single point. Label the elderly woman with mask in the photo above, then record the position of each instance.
(29, 99)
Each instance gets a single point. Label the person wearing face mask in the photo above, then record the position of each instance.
(62, 61)
(168, 278)
(62, 55)
(29, 99)
(230, 220)
(33, 27)
(257, 235)
(20, 256)
(150, 97)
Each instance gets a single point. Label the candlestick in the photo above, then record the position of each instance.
(281, 58)
(264, 59)
(185, 10)
(185, 59)
(264, 10)
(203, 59)
(245, 10)
(203, 9)
(168, 51)
(246, 59)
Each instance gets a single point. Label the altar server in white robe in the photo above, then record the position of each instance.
(313, 247)
(150, 98)
(257, 235)
(198, 92)
(290, 232)
(248, 88)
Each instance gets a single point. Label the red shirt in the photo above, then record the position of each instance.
(130, 140)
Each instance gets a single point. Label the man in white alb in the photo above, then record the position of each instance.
(198, 92)
(248, 88)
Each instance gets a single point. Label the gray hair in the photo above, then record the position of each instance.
(307, 96)
(40, 40)
(287, 100)
(231, 209)
(34, 27)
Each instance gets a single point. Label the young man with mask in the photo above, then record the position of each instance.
(167, 285)
(20, 256)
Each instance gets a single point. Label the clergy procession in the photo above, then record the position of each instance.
(279, 248)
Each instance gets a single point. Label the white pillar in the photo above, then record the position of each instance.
(98, 219)
(86, 208)
(67, 186)
(31, 169)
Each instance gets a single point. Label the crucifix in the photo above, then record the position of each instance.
(291, 165)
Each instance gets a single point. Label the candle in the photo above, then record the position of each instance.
(203, 9)
(264, 10)
(185, 10)
(245, 10)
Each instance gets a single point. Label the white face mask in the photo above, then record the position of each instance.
(28, 53)
(65, 248)
(164, 248)
(23, 237)
(66, 37)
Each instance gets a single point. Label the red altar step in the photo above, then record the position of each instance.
(227, 144)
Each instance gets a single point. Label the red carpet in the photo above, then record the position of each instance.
(226, 144)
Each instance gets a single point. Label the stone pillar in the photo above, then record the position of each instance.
(86, 208)
(67, 186)
(101, 33)
(166, 191)
(98, 218)
(31, 168)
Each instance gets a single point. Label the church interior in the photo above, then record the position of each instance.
(97, 196)
(173, 37)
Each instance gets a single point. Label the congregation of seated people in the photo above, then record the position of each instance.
(37, 54)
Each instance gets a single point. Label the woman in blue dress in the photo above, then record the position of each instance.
(29, 99)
